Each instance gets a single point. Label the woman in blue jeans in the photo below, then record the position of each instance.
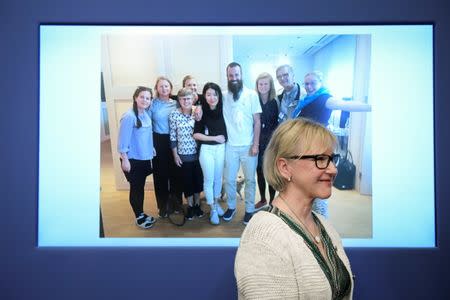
(211, 132)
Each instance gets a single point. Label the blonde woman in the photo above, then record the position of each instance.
(291, 252)
(265, 88)
(166, 176)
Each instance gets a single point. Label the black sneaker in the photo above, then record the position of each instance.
(247, 217)
(190, 213)
(198, 211)
(229, 214)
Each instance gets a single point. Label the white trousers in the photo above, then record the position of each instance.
(212, 159)
(236, 156)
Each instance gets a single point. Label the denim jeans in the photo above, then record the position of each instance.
(212, 160)
(236, 156)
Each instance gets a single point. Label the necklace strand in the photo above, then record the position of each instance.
(316, 238)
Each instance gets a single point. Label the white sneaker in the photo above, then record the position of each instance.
(214, 217)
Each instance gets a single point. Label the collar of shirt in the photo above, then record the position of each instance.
(290, 96)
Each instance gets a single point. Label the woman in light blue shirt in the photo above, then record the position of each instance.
(166, 177)
(136, 150)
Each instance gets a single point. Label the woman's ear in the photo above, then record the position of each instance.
(284, 168)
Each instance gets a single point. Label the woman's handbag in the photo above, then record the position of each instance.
(175, 211)
(345, 179)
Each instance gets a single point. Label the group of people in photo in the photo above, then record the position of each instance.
(196, 142)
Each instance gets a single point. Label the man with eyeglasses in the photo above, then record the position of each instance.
(292, 92)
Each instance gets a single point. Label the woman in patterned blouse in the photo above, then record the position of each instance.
(184, 149)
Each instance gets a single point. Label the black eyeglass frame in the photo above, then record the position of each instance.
(331, 158)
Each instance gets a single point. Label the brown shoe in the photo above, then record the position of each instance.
(260, 205)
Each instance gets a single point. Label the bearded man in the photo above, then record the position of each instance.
(241, 111)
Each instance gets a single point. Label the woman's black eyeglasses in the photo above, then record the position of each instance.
(322, 160)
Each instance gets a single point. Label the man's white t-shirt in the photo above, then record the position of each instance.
(238, 116)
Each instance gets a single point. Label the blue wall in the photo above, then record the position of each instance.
(338, 57)
(27, 272)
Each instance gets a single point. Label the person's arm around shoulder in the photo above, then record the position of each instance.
(198, 113)
(355, 106)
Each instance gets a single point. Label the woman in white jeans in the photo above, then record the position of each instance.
(211, 132)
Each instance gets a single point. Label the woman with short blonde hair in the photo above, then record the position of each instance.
(290, 252)
(184, 150)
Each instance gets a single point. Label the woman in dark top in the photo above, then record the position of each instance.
(269, 121)
(211, 132)
(314, 105)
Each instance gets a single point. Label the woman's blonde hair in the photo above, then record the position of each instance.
(272, 91)
(294, 137)
(186, 78)
(317, 74)
(160, 78)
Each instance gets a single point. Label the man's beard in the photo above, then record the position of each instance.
(235, 87)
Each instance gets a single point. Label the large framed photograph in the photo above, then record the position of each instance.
(92, 65)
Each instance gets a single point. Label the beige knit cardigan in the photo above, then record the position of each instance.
(273, 262)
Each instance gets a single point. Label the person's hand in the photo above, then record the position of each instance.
(254, 150)
(126, 166)
(198, 113)
(219, 139)
(178, 161)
